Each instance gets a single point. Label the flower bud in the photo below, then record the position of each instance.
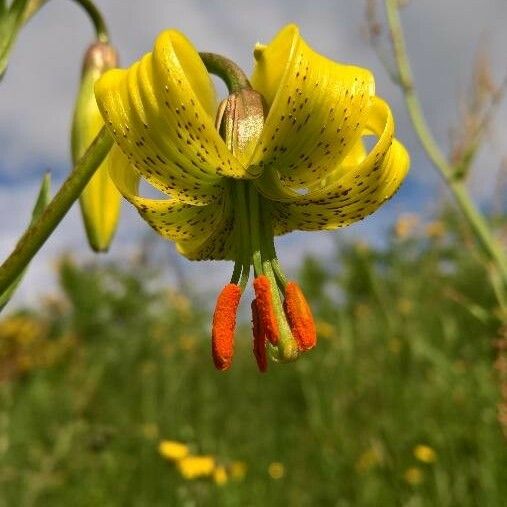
(100, 200)
(240, 121)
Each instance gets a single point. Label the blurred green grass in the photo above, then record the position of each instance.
(405, 358)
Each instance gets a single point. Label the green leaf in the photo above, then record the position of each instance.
(41, 202)
(11, 21)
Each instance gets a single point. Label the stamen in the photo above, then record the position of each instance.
(224, 323)
(259, 334)
(300, 317)
(265, 308)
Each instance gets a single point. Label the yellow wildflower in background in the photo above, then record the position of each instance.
(173, 451)
(238, 470)
(425, 454)
(187, 342)
(196, 467)
(150, 431)
(405, 306)
(413, 476)
(26, 344)
(435, 230)
(276, 470)
(192, 466)
(369, 459)
(325, 329)
(394, 345)
(179, 302)
(220, 476)
(406, 225)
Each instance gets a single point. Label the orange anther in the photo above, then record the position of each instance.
(300, 317)
(265, 308)
(259, 344)
(224, 323)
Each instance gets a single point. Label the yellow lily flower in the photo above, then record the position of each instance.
(100, 200)
(286, 154)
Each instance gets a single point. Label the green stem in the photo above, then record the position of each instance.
(243, 257)
(37, 234)
(268, 246)
(226, 69)
(474, 217)
(96, 18)
(253, 200)
(236, 273)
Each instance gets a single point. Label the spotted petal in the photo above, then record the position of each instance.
(161, 113)
(222, 244)
(317, 109)
(171, 218)
(353, 193)
(200, 232)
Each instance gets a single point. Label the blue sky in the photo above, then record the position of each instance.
(37, 95)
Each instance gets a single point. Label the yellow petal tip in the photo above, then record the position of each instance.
(259, 50)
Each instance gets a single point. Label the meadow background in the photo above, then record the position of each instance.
(396, 406)
(102, 359)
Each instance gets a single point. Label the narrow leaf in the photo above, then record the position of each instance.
(41, 202)
(11, 22)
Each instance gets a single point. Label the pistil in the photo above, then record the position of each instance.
(259, 334)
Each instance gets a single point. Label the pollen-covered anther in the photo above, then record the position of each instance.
(224, 324)
(299, 317)
(262, 289)
(259, 335)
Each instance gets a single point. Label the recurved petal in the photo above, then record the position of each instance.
(161, 114)
(221, 244)
(175, 220)
(355, 192)
(317, 109)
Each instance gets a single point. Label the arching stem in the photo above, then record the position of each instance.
(96, 18)
(476, 220)
(233, 76)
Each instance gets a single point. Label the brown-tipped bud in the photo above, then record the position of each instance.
(100, 57)
(240, 121)
(300, 317)
(224, 324)
(259, 334)
(100, 200)
(266, 309)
